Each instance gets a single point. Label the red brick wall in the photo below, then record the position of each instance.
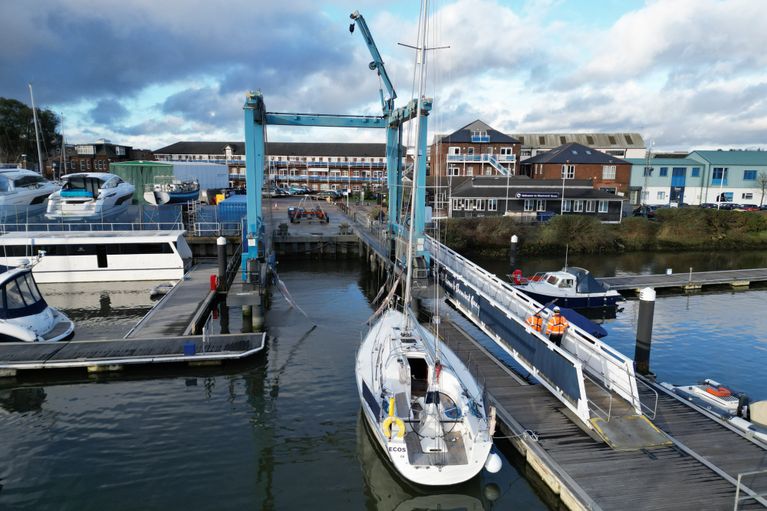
(438, 156)
(593, 172)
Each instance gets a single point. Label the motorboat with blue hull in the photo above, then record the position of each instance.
(732, 406)
(175, 192)
(89, 196)
(23, 194)
(571, 287)
(24, 314)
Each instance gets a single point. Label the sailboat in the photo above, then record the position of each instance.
(421, 403)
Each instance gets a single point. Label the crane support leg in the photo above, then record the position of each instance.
(254, 175)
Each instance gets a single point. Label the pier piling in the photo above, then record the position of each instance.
(644, 330)
(221, 252)
(513, 251)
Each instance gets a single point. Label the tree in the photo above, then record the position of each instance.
(761, 179)
(17, 131)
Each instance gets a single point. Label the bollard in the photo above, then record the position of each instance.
(644, 330)
(213, 282)
(513, 251)
(221, 247)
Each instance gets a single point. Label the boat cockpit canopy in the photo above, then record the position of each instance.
(19, 296)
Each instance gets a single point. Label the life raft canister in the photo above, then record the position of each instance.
(516, 276)
(718, 391)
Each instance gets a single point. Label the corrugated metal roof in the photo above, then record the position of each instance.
(280, 148)
(574, 153)
(604, 140)
(733, 157)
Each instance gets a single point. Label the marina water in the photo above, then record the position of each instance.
(284, 431)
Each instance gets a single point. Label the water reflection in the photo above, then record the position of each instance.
(22, 399)
(387, 491)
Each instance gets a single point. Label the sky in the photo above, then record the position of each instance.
(685, 74)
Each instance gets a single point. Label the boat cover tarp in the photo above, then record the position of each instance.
(584, 282)
(583, 322)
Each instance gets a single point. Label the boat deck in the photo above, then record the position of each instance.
(689, 280)
(700, 465)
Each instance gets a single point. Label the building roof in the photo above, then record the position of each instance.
(279, 148)
(604, 140)
(733, 157)
(664, 161)
(463, 135)
(574, 153)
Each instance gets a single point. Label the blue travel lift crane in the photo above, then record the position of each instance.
(257, 118)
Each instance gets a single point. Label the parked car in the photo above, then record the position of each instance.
(645, 211)
(747, 207)
(332, 194)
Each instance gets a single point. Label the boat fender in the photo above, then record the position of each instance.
(743, 406)
(719, 391)
(493, 463)
(392, 420)
(516, 276)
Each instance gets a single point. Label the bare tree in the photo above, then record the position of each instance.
(761, 179)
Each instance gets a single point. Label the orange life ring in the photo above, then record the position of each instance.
(516, 275)
(719, 392)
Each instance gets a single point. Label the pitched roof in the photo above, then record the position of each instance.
(280, 148)
(574, 153)
(605, 140)
(733, 157)
(463, 135)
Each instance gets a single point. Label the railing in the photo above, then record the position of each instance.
(201, 229)
(749, 494)
(92, 227)
(506, 158)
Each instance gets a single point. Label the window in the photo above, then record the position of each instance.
(507, 151)
(590, 206)
(695, 172)
(663, 171)
(492, 204)
(568, 171)
(453, 171)
(479, 136)
(589, 140)
(628, 140)
(529, 204)
(661, 195)
(454, 150)
(645, 196)
(469, 171)
(611, 139)
(567, 205)
(480, 205)
(648, 171)
(562, 140)
(603, 206)
(608, 172)
(578, 206)
(749, 175)
(747, 196)
(457, 204)
(470, 151)
(719, 176)
(541, 140)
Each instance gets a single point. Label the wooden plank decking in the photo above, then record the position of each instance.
(686, 280)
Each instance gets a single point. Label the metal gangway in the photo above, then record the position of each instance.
(594, 381)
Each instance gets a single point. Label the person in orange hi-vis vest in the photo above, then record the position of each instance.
(556, 327)
(535, 321)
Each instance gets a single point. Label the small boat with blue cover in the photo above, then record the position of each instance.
(571, 287)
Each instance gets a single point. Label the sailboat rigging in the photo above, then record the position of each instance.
(421, 403)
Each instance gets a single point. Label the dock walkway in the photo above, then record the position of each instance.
(698, 470)
(689, 281)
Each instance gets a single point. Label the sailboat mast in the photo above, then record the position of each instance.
(421, 61)
(37, 133)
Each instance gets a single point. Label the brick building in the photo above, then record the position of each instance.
(576, 161)
(474, 150)
(96, 157)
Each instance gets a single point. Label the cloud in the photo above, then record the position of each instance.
(108, 111)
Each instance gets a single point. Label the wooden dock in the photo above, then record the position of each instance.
(697, 470)
(113, 354)
(181, 311)
(689, 281)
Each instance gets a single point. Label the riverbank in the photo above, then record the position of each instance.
(672, 230)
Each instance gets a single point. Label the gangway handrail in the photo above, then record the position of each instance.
(654, 409)
(619, 361)
(91, 227)
(749, 495)
(607, 415)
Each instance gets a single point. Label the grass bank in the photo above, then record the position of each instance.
(673, 229)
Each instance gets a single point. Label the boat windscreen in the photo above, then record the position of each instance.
(20, 297)
(585, 282)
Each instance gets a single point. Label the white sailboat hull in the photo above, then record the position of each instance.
(459, 451)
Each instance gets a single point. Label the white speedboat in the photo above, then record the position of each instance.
(175, 192)
(89, 196)
(731, 406)
(23, 194)
(24, 314)
(571, 287)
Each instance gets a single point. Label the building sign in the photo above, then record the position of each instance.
(537, 195)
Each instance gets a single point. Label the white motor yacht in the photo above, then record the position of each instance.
(90, 196)
(23, 194)
(24, 314)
